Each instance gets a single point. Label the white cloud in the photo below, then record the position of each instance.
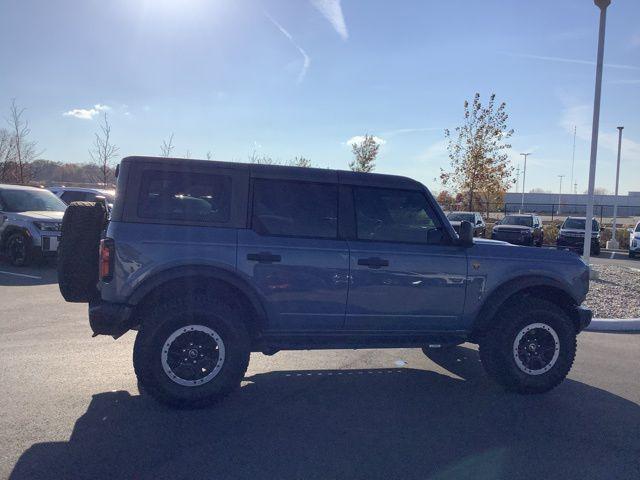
(357, 139)
(87, 113)
(332, 11)
(306, 60)
(573, 60)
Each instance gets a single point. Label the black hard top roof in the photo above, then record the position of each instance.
(284, 172)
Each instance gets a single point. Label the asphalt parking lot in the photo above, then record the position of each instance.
(71, 409)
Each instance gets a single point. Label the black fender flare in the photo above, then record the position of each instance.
(205, 271)
(560, 292)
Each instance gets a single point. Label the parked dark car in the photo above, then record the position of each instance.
(571, 235)
(476, 220)
(519, 229)
(210, 261)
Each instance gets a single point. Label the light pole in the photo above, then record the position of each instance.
(524, 177)
(613, 243)
(560, 193)
(573, 155)
(602, 5)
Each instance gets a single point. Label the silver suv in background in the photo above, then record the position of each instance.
(30, 221)
(634, 241)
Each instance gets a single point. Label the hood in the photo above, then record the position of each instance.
(512, 228)
(486, 241)
(42, 216)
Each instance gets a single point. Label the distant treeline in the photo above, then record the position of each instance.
(47, 172)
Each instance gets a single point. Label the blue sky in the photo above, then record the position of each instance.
(303, 77)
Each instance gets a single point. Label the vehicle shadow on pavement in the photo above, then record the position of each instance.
(379, 423)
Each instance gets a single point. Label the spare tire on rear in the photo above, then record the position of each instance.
(82, 227)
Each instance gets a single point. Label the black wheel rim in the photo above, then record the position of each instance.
(18, 250)
(536, 349)
(193, 355)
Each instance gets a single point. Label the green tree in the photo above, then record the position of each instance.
(365, 153)
(478, 152)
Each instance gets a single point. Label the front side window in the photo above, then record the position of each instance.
(187, 197)
(30, 201)
(295, 209)
(389, 215)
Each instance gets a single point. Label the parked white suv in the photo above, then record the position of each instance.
(81, 194)
(634, 241)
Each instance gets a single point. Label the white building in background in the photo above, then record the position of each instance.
(628, 205)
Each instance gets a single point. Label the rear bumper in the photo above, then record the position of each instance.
(583, 317)
(108, 318)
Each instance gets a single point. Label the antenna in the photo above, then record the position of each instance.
(573, 155)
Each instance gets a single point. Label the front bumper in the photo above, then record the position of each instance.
(576, 243)
(582, 317)
(108, 318)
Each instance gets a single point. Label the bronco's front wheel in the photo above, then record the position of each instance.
(531, 347)
(191, 352)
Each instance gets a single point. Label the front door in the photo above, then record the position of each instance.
(404, 277)
(293, 256)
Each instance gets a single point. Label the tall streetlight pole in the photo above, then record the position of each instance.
(524, 177)
(602, 5)
(613, 243)
(560, 193)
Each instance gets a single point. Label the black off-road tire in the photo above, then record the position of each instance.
(19, 250)
(497, 345)
(82, 227)
(174, 316)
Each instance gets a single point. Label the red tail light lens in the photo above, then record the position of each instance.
(107, 248)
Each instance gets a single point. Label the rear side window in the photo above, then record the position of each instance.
(393, 215)
(295, 209)
(73, 196)
(183, 196)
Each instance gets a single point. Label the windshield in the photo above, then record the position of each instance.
(638, 227)
(515, 220)
(31, 201)
(459, 217)
(578, 224)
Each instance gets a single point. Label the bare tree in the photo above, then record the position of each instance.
(300, 161)
(365, 153)
(209, 155)
(103, 150)
(167, 147)
(187, 154)
(261, 159)
(22, 150)
(6, 148)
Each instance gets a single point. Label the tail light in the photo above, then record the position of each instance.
(107, 253)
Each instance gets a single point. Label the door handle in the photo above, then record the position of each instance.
(373, 262)
(264, 257)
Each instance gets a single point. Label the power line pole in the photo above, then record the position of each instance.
(524, 178)
(560, 193)
(573, 155)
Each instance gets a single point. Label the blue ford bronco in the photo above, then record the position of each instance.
(210, 261)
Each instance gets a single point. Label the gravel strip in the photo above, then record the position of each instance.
(616, 294)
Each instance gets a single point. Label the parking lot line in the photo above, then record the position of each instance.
(21, 275)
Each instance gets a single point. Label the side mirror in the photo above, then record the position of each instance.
(466, 234)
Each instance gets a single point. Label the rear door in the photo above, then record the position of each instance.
(404, 275)
(291, 253)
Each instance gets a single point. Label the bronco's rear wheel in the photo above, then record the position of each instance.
(191, 352)
(531, 347)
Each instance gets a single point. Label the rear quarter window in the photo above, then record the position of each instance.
(185, 197)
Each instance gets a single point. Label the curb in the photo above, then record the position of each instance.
(623, 325)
